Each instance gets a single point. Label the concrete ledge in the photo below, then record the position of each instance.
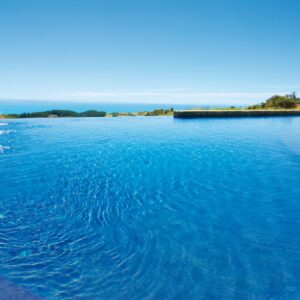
(233, 113)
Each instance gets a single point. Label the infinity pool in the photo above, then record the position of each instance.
(151, 207)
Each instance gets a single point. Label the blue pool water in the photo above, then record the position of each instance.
(151, 207)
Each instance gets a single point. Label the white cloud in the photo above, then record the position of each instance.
(291, 87)
(155, 96)
(174, 96)
(170, 93)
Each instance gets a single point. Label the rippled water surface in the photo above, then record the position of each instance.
(151, 208)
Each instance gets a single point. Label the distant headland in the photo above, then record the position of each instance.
(90, 113)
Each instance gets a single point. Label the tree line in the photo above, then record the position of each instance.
(59, 113)
(279, 102)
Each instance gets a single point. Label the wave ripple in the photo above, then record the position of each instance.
(151, 208)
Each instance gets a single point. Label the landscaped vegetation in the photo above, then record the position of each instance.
(160, 112)
(279, 102)
(156, 112)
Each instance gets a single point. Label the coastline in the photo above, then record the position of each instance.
(187, 113)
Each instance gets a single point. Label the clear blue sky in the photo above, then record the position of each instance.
(145, 51)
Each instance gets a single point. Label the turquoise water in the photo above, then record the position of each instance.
(151, 207)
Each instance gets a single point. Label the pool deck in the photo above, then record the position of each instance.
(233, 113)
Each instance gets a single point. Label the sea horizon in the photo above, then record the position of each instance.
(28, 106)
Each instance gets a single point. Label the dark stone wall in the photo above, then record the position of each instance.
(233, 113)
